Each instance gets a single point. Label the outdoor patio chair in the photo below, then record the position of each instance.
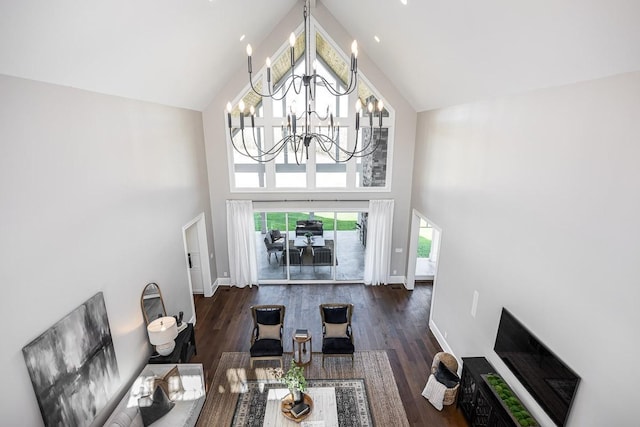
(276, 235)
(337, 334)
(322, 257)
(272, 247)
(266, 338)
(295, 257)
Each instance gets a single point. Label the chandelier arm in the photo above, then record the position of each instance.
(244, 145)
(333, 91)
(239, 151)
(314, 112)
(273, 95)
(365, 149)
(322, 139)
(293, 79)
(269, 152)
(265, 155)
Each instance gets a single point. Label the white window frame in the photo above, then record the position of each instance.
(267, 121)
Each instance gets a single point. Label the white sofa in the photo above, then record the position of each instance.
(188, 403)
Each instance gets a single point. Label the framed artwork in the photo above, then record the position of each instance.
(73, 366)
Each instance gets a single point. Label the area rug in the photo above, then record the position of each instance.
(351, 401)
(233, 374)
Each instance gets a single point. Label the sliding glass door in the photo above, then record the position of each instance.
(300, 247)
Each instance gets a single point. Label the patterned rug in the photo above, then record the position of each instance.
(351, 401)
(233, 375)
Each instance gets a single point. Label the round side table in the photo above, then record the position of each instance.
(301, 356)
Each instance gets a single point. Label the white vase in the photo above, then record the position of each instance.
(296, 394)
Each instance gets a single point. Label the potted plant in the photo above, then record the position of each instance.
(294, 379)
(308, 235)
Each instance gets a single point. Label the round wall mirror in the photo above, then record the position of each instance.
(152, 303)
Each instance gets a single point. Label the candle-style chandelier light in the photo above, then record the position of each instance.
(301, 130)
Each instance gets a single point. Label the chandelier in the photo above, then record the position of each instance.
(301, 130)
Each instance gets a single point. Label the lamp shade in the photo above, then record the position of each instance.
(162, 330)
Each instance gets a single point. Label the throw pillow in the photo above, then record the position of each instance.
(336, 330)
(152, 410)
(171, 382)
(335, 314)
(445, 376)
(268, 332)
(268, 317)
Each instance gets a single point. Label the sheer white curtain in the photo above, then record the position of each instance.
(241, 241)
(377, 257)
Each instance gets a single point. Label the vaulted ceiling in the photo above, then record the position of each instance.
(437, 52)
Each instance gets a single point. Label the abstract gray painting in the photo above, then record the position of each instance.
(73, 366)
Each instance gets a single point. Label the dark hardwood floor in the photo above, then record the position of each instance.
(384, 318)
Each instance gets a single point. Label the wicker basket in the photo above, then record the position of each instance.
(452, 364)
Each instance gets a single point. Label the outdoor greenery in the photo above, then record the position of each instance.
(276, 220)
(424, 247)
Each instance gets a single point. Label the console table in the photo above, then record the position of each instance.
(479, 405)
(185, 348)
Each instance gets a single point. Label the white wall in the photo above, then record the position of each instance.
(215, 131)
(94, 191)
(538, 197)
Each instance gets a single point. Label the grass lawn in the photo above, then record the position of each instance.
(276, 220)
(424, 247)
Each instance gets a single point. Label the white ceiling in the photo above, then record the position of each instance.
(438, 52)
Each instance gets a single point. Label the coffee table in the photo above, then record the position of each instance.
(325, 408)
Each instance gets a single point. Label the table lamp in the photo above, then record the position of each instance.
(162, 333)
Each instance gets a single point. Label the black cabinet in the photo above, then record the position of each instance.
(479, 405)
(184, 351)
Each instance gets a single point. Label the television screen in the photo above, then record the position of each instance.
(551, 383)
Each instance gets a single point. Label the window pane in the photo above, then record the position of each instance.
(291, 180)
(327, 152)
(247, 180)
(288, 172)
(249, 173)
(372, 169)
(349, 247)
(331, 180)
(281, 108)
(253, 142)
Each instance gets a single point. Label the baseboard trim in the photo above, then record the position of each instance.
(222, 281)
(398, 279)
(441, 340)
